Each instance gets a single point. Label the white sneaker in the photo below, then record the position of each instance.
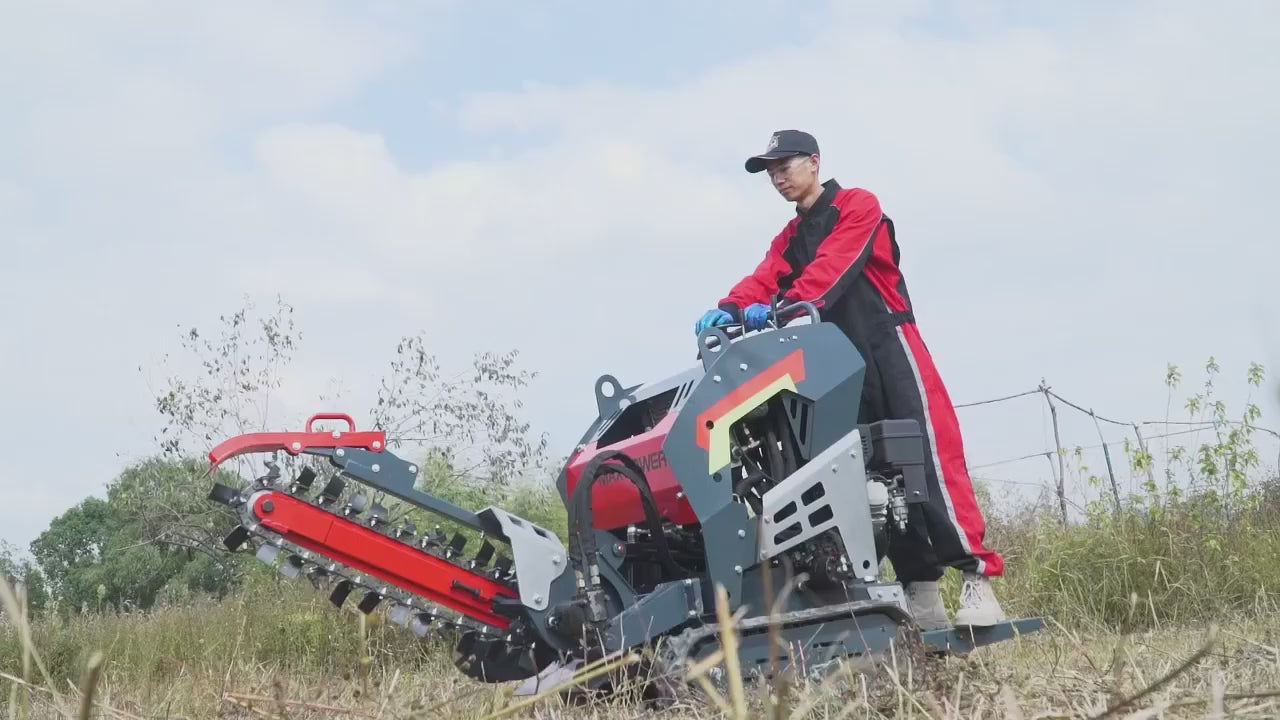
(978, 604)
(925, 603)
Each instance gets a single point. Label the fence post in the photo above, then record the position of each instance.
(1115, 490)
(1057, 441)
(1142, 446)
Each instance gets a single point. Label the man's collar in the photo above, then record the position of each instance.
(829, 189)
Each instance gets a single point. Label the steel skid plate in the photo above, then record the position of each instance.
(963, 640)
(830, 491)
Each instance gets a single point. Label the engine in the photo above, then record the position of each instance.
(770, 444)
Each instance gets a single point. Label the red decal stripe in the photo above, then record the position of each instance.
(792, 365)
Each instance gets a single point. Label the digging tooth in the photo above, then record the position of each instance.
(267, 553)
(466, 644)
(273, 474)
(332, 490)
(435, 539)
(422, 623)
(354, 506)
(377, 515)
(236, 538)
(225, 495)
(292, 566)
(406, 530)
(501, 569)
(317, 575)
(340, 592)
(483, 557)
(369, 601)
(458, 542)
(399, 614)
(482, 649)
(426, 621)
(302, 483)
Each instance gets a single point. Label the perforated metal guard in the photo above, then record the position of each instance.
(538, 554)
(830, 491)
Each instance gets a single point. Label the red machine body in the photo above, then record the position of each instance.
(615, 502)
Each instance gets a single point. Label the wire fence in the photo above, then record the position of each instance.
(1062, 469)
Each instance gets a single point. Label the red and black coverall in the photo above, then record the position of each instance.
(842, 256)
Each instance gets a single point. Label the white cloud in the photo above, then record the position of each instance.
(120, 161)
(1059, 193)
(1041, 178)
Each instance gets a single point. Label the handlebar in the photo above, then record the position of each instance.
(803, 305)
(710, 338)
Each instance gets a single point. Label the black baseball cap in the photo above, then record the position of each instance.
(783, 143)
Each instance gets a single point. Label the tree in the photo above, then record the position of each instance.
(156, 527)
(153, 529)
(464, 426)
(21, 573)
(232, 395)
(469, 419)
(467, 425)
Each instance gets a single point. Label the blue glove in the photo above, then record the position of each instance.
(715, 316)
(755, 316)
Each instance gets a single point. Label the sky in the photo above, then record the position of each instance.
(1083, 193)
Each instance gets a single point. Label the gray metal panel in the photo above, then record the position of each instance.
(832, 378)
(538, 555)
(562, 589)
(889, 592)
(670, 605)
(836, 486)
(395, 476)
(609, 573)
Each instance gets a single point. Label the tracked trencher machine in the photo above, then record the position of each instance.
(749, 463)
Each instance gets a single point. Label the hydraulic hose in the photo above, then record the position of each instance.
(744, 487)
(651, 514)
(777, 468)
(581, 526)
(582, 536)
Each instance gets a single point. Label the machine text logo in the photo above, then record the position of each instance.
(648, 462)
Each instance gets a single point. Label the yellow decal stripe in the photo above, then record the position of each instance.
(718, 454)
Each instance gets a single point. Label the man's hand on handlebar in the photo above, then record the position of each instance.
(756, 316)
(711, 317)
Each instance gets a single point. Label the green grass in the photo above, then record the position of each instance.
(1180, 563)
(1129, 598)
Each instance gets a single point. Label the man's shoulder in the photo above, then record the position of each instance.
(846, 197)
(856, 205)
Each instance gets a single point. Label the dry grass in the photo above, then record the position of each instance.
(219, 661)
(1130, 601)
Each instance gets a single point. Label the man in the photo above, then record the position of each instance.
(840, 253)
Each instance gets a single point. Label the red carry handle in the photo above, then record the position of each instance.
(351, 424)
